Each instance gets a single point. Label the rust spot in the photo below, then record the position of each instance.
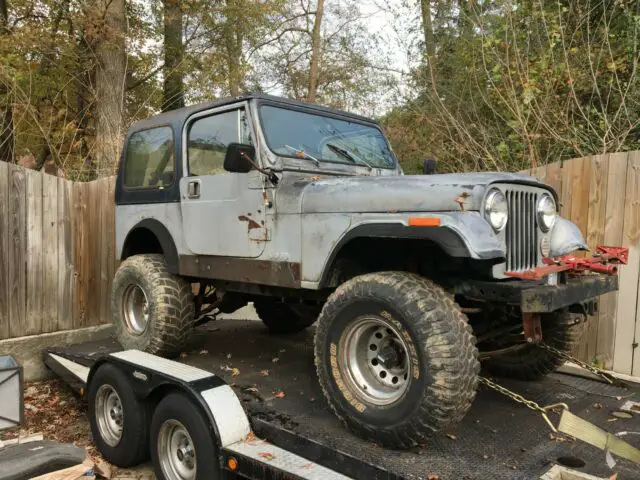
(461, 199)
(251, 223)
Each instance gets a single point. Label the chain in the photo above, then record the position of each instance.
(543, 411)
(595, 370)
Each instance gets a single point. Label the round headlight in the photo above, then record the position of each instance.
(546, 212)
(496, 210)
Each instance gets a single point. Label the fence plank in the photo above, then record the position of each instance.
(65, 255)
(50, 247)
(17, 251)
(4, 250)
(567, 181)
(95, 250)
(35, 257)
(616, 190)
(594, 236)
(623, 351)
(553, 177)
(80, 255)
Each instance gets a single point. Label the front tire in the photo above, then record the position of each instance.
(119, 420)
(561, 330)
(395, 358)
(152, 309)
(182, 446)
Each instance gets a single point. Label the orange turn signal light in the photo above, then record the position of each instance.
(424, 222)
(232, 463)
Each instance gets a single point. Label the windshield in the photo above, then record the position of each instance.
(324, 138)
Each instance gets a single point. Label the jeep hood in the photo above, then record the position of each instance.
(403, 193)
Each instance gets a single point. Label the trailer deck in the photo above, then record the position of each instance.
(274, 376)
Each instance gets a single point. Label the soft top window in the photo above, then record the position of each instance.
(150, 159)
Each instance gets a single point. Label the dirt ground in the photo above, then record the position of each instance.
(52, 409)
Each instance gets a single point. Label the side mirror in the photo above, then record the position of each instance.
(239, 158)
(429, 166)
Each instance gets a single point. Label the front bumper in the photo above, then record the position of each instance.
(538, 297)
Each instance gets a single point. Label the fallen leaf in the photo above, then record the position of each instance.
(597, 405)
(250, 437)
(614, 476)
(282, 350)
(279, 394)
(226, 368)
(183, 355)
(433, 476)
(612, 420)
(485, 456)
(228, 356)
(275, 359)
(264, 373)
(452, 436)
(204, 352)
(235, 372)
(267, 455)
(251, 389)
(307, 465)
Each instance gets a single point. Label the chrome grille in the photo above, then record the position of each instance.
(521, 230)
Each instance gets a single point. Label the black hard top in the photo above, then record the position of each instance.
(498, 439)
(179, 115)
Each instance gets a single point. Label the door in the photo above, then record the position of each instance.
(222, 212)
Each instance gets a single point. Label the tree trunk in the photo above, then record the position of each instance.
(316, 41)
(427, 28)
(173, 55)
(7, 139)
(233, 43)
(109, 48)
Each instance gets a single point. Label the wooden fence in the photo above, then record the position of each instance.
(57, 249)
(601, 194)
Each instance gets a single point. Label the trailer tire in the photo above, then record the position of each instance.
(282, 318)
(110, 390)
(559, 330)
(176, 414)
(435, 360)
(152, 309)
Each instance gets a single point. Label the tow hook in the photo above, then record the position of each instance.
(532, 327)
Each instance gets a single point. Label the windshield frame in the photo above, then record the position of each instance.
(325, 112)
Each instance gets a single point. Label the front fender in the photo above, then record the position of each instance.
(460, 234)
(566, 238)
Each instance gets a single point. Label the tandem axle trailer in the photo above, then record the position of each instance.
(250, 400)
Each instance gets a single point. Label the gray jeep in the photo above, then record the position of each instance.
(305, 211)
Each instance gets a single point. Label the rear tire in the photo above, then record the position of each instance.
(561, 330)
(152, 309)
(282, 318)
(177, 421)
(119, 420)
(396, 358)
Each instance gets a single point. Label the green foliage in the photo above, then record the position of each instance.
(520, 84)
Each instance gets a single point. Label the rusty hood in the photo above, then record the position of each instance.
(402, 193)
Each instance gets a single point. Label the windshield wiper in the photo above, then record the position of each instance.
(346, 154)
(304, 155)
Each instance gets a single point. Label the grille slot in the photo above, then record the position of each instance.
(521, 230)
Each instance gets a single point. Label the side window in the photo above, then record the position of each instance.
(209, 137)
(150, 159)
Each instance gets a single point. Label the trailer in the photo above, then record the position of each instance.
(253, 401)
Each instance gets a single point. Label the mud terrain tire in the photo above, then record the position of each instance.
(439, 354)
(562, 330)
(166, 317)
(282, 318)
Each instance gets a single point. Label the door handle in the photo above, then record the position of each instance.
(193, 189)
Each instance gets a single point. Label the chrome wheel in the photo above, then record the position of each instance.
(135, 309)
(374, 360)
(176, 452)
(109, 416)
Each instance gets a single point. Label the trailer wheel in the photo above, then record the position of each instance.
(396, 358)
(182, 446)
(119, 420)
(561, 330)
(152, 309)
(280, 317)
